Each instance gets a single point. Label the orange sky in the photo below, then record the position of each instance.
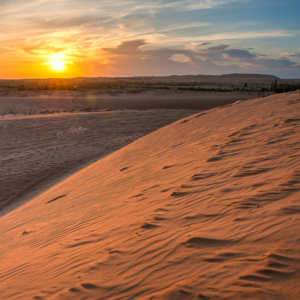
(50, 39)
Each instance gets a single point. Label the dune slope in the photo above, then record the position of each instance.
(205, 208)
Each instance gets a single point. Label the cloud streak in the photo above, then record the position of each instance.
(217, 59)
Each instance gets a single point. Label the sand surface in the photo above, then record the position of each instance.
(63, 101)
(205, 208)
(38, 151)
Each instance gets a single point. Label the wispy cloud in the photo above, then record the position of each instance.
(289, 54)
(219, 58)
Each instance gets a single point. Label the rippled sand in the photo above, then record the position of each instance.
(205, 208)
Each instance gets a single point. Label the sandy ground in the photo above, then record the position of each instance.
(38, 151)
(67, 101)
(205, 208)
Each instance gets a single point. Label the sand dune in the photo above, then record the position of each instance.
(204, 208)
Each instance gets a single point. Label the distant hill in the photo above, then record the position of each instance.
(245, 75)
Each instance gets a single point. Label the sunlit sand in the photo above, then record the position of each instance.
(204, 208)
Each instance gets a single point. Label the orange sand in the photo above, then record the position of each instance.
(205, 208)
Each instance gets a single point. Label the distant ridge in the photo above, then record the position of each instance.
(182, 78)
(251, 75)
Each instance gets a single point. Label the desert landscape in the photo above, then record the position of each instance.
(206, 207)
(149, 150)
(29, 97)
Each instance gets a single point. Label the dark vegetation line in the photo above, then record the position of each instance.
(199, 89)
(284, 87)
(94, 84)
(77, 86)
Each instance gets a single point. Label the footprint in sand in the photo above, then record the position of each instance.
(89, 286)
(160, 209)
(292, 120)
(184, 121)
(56, 198)
(165, 190)
(158, 218)
(214, 158)
(124, 169)
(203, 297)
(177, 145)
(147, 225)
(74, 290)
(174, 194)
(138, 195)
(114, 251)
(197, 116)
(26, 232)
(168, 167)
(248, 170)
(200, 242)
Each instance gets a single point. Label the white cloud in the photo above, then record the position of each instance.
(289, 54)
(182, 58)
(227, 36)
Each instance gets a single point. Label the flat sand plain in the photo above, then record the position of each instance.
(204, 208)
(39, 151)
(58, 101)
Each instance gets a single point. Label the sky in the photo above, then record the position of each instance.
(99, 38)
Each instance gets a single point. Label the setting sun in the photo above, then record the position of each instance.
(58, 65)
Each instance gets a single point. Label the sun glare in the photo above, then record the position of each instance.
(58, 62)
(58, 65)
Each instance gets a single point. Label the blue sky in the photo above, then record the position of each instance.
(158, 37)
